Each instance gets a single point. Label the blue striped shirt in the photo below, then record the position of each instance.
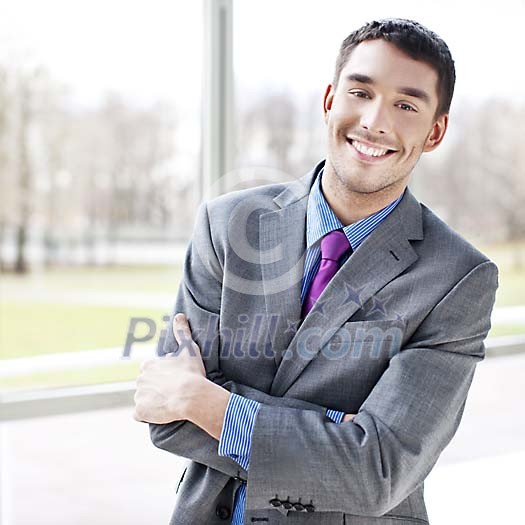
(239, 419)
(321, 220)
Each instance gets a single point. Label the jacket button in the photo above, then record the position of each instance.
(287, 505)
(298, 506)
(309, 508)
(222, 512)
(275, 502)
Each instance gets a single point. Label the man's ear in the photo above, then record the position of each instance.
(327, 101)
(436, 133)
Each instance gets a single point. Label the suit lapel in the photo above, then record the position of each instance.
(282, 241)
(381, 258)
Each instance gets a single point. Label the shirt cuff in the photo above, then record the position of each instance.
(237, 428)
(335, 415)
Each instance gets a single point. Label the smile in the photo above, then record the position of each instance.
(364, 152)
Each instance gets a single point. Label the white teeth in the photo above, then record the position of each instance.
(368, 151)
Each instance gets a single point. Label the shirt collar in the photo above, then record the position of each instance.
(321, 220)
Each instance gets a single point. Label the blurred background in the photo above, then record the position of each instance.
(116, 120)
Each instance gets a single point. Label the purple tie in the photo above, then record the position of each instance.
(333, 246)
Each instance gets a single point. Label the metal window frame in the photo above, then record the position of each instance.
(217, 126)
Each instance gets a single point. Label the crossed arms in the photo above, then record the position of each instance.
(378, 459)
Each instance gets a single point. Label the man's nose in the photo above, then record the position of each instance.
(376, 118)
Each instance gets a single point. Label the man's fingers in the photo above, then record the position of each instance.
(182, 333)
(181, 328)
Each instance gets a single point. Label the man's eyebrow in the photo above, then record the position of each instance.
(415, 92)
(358, 77)
(405, 90)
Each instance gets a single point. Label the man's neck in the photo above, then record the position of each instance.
(350, 206)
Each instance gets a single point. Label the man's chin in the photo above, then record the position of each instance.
(361, 184)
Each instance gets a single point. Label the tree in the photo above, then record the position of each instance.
(26, 82)
(4, 175)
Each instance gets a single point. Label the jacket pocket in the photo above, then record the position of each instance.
(386, 519)
(409, 519)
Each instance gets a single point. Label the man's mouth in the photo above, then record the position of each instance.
(369, 153)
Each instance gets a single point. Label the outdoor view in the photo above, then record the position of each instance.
(100, 137)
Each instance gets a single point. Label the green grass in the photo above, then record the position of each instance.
(511, 291)
(501, 330)
(28, 329)
(127, 371)
(147, 279)
(42, 314)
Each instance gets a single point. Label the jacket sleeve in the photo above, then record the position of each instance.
(199, 297)
(371, 464)
(236, 436)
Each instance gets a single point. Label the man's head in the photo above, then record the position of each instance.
(413, 39)
(387, 105)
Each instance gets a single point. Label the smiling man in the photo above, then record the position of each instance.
(336, 322)
(383, 110)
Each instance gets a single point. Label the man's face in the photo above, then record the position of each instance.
(380, 118)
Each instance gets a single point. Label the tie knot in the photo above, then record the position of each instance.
(333, 245)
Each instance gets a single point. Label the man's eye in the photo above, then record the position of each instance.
(360, 94)
(406, 107)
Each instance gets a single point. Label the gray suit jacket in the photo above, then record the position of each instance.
(394, 338)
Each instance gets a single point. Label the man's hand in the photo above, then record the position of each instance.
(348, 417)
(166, 386)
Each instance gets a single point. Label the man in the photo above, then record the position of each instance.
(336, 322)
